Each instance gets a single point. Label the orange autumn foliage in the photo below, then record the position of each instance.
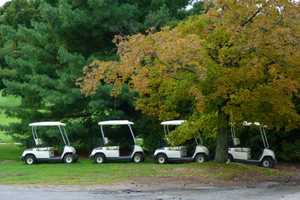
(241, 58)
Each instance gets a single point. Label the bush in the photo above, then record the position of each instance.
(286, 146)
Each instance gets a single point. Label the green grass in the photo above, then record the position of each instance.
(9, 152)
(13, 171)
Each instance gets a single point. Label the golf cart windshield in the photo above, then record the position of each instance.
(261, 128)
(113, 124)
(61, 127)
(167, 124)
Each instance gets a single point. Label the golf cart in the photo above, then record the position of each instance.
(199, 153)
(266, 157)
(44, 153)
(126, 152)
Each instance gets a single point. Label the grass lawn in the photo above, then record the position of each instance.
(9, 152)
(13, 171)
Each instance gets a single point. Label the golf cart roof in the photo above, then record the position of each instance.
(47, 124)
(173, 122)
(115, 122)
(245, 123)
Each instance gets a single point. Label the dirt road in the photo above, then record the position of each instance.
(207, 193)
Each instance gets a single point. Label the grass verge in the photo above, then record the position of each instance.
(85, 172)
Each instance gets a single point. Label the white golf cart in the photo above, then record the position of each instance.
(243, 154)
(199, 153)
(44, 153)
(126, 152)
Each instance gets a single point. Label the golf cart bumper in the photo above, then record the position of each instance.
(92, 155)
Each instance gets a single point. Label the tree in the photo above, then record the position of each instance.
(239, 61)
(46, 43)
(14, 14)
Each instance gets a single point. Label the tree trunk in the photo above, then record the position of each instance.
(222, 138)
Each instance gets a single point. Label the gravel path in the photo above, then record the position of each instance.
(94, 193)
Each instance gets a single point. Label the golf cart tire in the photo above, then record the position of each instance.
(161, 158)
(28, 159)
(200, 158)
(69, 158)
(140, 155)
(98, 157)
(229, 158)
(267, 160)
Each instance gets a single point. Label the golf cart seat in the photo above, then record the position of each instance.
(38, 142)
(242, 152)
(181, 149)
(178, 148)
(46, 149)
(242, 149)
(236, 141)
(112, 148)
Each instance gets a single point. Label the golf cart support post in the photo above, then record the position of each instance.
(60, 126)
(116, 122)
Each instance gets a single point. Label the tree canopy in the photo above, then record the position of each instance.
(239, 61)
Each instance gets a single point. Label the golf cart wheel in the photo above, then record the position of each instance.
(69, 158)
(137, 158)
(161, 159)
(200, 158)
(229, 159)
(99, 158)
(30, 159)
(267, 162)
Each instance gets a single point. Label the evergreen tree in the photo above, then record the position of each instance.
(44, 45)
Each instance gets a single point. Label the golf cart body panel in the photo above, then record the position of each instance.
(115, 152)
(45, 154)
(268, 153)
(178, 153)
(201, 149)
(172, 152)
(243, 154)
(240, 153)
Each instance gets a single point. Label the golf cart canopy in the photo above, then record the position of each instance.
(115, 122)
(245, 123)
(60, 125)
(173, 122)
(47, 124)
(112, 123)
